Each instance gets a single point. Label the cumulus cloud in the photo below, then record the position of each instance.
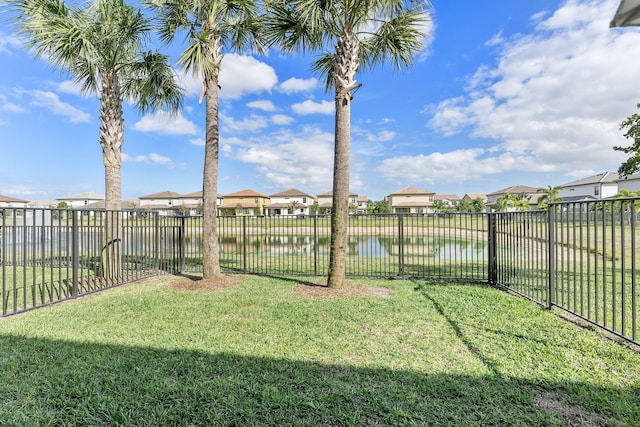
(251, 123)
(282, 119)
(8, 43)
(165, 123)
(52, 102)
(8, 106)
(151, 158)
(303, 160)
(554, 98)
(264, 105)
(309, 107)
(240, 75)
(294, 85)
(199, 142)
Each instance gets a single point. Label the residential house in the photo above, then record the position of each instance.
(243, 203)
(325, 202)
(81, 200)
(191, 203)
(449, 201)
(531, 194)
(289, 202)
(12, 202)
(600, 186)
(470, 197)
(163, 202)
(361, 204)
(411, 200)
(631, 183)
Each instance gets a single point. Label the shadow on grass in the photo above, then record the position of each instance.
(45, 382)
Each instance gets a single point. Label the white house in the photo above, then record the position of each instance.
(599, 186)
(631, 182)
(81, 200)
(357, 204)
(289, 202)
(12, 202)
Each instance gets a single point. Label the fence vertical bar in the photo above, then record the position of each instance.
(315, 245)
(634, 305)
(244, 244)
(493, 258)
(401, 246)
(551, 264)
(74, 253)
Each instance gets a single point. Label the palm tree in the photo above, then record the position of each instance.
(101, 45)
(352, 35)
(211, 27)
(550, 194)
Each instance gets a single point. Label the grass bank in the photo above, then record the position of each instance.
(262, 354)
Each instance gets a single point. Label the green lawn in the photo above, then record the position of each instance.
(261, 354)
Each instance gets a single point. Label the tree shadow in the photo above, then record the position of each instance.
(49, 382)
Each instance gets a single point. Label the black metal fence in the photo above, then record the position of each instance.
(581, 257)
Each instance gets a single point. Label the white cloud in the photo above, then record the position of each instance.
(242, 75)
(166, 124)
(152, 158)
(71, 87)
(8, 106)
(553, 100)
(282, 119)
(252, 123)
(294, 85)
(263, 105)
(200, 142)
(52, 102)
(303, 160)
(382, 136)
(309, 107)
(8, 43)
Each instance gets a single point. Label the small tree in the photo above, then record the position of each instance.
(550, 194)
(382, 206)
(478, 205)
(632, 164)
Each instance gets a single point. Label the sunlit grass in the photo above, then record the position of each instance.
(261, 354)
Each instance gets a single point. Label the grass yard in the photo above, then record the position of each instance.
(262, 353)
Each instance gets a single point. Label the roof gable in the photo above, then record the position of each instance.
(162, 195)
(601, 178)
(292, 192)
(515, 189)
(411, 191)
(246, 193)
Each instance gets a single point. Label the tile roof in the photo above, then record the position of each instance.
(11, 199)
(411, 191)
(515, 189)
(162, 195)
(83, 196)
(292, 192)
(601, 178)
(246, 193)
(195, 195)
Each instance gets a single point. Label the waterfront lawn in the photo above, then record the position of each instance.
(262, 353)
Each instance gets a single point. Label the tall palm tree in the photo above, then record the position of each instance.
(550, 194)
(351, 35)
(101, 44)
(211, 28)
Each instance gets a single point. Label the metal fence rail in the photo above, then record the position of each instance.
(49, 255)
(581, 257)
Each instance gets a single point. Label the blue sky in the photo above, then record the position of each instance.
(528, 92)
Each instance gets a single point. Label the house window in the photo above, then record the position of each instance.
(596, 190)
(304, 200)
(419, 210)
(402, 210)
(245, 211)
(255, 200)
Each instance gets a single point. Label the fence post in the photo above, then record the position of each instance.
(493, 252)
(551, 263)
(181, 245)
(401, 246)
(74, 253)
(158, 264)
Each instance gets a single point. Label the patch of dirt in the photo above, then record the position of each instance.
(572, 416)
(200, 285)
(321, 290)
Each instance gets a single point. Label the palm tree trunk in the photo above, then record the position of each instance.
(111, 139)
(210, 251)
(344, 73)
